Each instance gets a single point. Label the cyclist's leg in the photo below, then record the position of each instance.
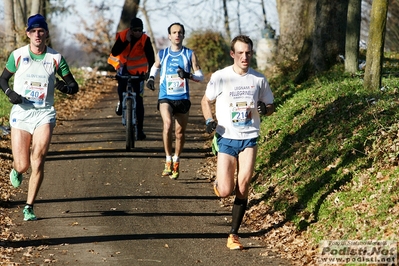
(138, 89)
(122, 83)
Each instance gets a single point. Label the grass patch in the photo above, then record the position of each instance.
(330, 154)
(5, 107)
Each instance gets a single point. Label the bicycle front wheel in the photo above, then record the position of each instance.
(129, 125)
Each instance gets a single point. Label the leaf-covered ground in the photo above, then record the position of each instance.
(66, 106)
(279, 236)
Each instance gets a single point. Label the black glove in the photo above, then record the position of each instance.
(210, 126)
(61, 86)
(262, 108)
(13, 97)
(183, 74)
(150, 83)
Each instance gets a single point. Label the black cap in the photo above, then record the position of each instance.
(136, 23)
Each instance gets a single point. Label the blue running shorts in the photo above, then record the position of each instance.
(233, 146)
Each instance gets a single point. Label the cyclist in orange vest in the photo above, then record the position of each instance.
(132, 54)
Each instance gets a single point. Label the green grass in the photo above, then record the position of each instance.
(328, 157)
(5, 107)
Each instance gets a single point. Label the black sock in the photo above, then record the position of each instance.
(29, 205)
(239, 208)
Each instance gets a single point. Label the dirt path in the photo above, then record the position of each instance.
(101, 205)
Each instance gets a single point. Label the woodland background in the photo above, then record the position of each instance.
(328, 159)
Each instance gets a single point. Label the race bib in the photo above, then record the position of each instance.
(35, 92)
(241, 115)
(175, 85)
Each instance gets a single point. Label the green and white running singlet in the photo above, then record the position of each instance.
(34, 80)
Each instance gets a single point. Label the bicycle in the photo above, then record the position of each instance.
(129, 108)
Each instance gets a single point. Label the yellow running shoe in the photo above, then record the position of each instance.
(233, 242)
(175, 172)
(168, 169)
(215, 188)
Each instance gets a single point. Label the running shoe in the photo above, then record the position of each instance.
(175, 171)
(29, 215)
(215, 188)
(118, 109)
(141, 135)
(15, 178)
(233, 242)
(168, 169)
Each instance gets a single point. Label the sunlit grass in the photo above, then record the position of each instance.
(325, 155)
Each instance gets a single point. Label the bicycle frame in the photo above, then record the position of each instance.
(129, 116)
(129, 94)
(129, 109)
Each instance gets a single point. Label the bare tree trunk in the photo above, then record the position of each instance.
(238, 17)
(10, 41)
(327, 40)
(375, 47)
(264, 13)
(353, 36)
(129, 11)
(226, 20)
(40, 7)
(297, 20)
(16, 16)
(20, 19)
(149, 28)
(312, 35)
(36, 7)
(392, 29)
(391, 42)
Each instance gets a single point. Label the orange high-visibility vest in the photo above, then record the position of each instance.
(132, 57)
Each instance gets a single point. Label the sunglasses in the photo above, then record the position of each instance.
(136, 30)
